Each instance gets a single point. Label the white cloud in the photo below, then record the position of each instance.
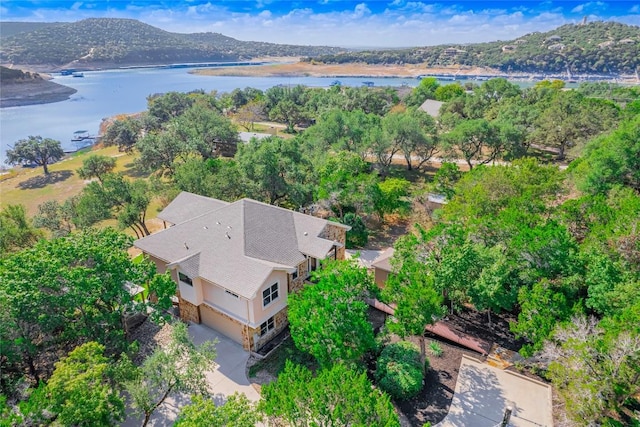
(76, 5)
(589, 7)
(360, 10)
(635, 9)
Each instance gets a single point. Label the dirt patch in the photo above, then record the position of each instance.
(308, 69)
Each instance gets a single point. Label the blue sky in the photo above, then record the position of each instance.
(364, 23)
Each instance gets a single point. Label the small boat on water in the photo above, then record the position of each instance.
(336, 83)
(66, 72)
(77, 74)
(368, 84)
(80, 135)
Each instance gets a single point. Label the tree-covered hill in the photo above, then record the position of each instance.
(596, 47)
(105, 41)
(11, 28)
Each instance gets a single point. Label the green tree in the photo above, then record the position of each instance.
(336, 396)
(167, 106)
(96, 166)
(541, 308)
(445, 179)
(180, 367)
(237, 411)
(126, 200)
(399, 371)
(426, 89)
(16, 230)
(56, 217)
(568, 121)
(37, 150)
(612, 160)
(391, 197)
(123, 132)
(329, 319)
(274, 171)
(65, 291)
(477, 140)
(81, 389)
(207, 132)
(448, 92)
(412, 289)
(345, 184)
(358, 236)
(595, 366)
(162, 150)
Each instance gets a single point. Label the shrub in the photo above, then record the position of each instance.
(399, 370)
(358, 236)
(435, 349)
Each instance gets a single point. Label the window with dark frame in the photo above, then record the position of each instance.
(294, 275)
(185, 279)
(269, 294)
(267, 326)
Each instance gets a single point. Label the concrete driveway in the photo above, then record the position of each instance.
(227, 378)
(483, 393)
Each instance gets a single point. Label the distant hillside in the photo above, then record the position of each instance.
(11, 28)
(109, 42)
(594, 48)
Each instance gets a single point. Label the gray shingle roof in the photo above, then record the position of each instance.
(238, 245)
(431, 107)
(187, 206)
(383, 262)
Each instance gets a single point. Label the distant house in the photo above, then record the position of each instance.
(382, 267)
(235, 263)
(508, 48)
(248, 136)
(452, 51)
(431, 107)
(557, 47)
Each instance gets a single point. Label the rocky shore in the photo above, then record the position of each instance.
(19, 93)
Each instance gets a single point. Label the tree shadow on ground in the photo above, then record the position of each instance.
(134, 170)
(42, 181)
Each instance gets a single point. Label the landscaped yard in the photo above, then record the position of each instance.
(30, 187)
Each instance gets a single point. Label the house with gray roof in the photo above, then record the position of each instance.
(235, 263)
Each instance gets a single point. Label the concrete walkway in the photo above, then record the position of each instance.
(483, 392)
(227, 378)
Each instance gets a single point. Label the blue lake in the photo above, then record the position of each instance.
(103, 94)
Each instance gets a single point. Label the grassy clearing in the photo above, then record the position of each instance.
(30, 187)
(274, 364)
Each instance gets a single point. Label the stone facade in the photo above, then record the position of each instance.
(337, 234)
(298, 283)
(188, 311)
(249, 334)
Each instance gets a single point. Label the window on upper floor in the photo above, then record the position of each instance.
(267, 326)
(294, 275)
(269, 294)
(185, 279)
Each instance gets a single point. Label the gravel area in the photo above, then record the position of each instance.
(149, 336)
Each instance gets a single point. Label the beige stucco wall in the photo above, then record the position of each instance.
(380, 277)
(161, 266)
(216, 296)
(257, 313)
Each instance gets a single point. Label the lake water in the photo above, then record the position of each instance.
(103, 94)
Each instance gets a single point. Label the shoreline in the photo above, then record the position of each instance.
(19, 94)
(361, 70)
